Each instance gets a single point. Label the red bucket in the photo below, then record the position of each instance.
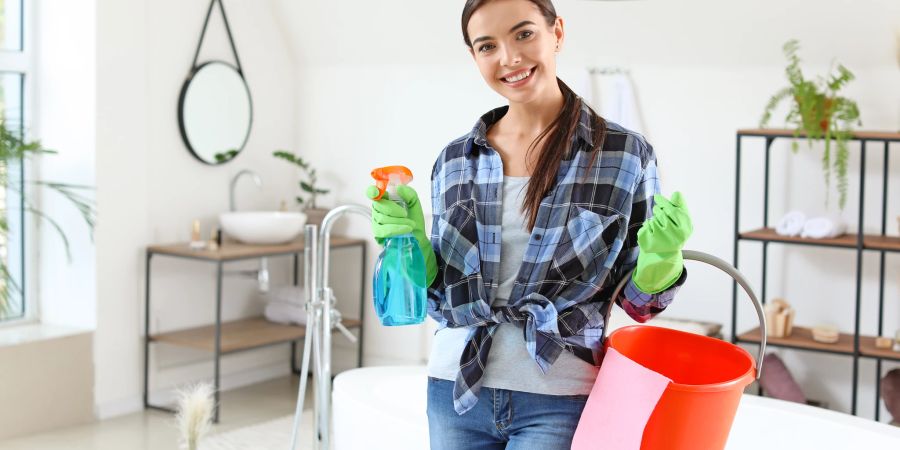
(698, 405)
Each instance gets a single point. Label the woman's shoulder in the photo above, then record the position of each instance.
(619, 138)
(456, 149)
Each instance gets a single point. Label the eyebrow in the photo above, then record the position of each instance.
(516, 27)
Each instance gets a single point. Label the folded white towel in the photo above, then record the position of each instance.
(824, 227)
(791, 224)
(286, 313)
(287, 294)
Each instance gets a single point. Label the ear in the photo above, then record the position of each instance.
(559, 31)
(472, 52)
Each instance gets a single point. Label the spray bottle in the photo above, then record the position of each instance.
(399, 288)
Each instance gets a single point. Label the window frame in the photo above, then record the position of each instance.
(23, 62)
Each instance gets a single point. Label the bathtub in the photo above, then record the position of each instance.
(384, 408)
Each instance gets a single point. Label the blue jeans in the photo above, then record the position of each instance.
(502, 419)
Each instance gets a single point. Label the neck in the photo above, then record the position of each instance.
(530, 119)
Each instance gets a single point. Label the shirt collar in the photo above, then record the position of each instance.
(478, 135)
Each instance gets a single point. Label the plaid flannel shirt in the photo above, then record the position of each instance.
(583, 242)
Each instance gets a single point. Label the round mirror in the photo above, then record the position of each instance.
(215, 112)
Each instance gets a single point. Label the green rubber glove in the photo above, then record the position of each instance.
(390, 219)
(661, 239)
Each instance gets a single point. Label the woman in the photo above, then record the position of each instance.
(538, 212)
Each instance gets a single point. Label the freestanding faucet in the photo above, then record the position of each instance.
(234, 180)
(321, 318)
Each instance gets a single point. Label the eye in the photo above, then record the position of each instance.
(525, 35)
(486, 48)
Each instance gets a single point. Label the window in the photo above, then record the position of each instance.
(15, 62)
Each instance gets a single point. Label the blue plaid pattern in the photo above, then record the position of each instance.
(583, 242)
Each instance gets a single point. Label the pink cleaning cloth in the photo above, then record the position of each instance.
(621, 401)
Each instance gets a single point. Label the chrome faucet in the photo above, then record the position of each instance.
(262, 275)
(234, 180)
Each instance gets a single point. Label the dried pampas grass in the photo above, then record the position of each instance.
(194, 415)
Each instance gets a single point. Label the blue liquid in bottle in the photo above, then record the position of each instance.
(399, 286)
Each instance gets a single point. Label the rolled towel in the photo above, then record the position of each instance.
(823, 228)
(287, 294)
(285, 313)
(791, 224)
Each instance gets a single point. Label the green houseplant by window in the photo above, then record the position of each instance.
(817, 111)
(308, 186)
(13, 148)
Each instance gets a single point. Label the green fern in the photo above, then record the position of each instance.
(14, 148)
(818, 112)
(308, 186)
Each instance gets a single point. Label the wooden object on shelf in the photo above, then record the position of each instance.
(238, 335)
(897, 342)
(883, 342)
(826, 334)
(780, 317)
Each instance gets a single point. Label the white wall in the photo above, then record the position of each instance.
(65, 107)
(149, 187)
(390, 82)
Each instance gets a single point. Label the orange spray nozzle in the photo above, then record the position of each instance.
(383, 176)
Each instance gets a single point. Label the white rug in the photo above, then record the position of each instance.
(272, 435)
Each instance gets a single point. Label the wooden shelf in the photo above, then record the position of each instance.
(239, 335)
(867, 348)
(230, 251)
(870, 241)
(781, 132)
(801, 338)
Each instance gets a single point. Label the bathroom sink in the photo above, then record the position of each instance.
(262, 227)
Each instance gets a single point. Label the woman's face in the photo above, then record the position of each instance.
(515, 49)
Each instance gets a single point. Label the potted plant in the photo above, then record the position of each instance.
(817, 111)
(314, 215)
(14, 148)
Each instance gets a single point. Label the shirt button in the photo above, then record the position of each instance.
(537, 237)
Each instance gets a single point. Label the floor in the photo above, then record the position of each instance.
(156, 430)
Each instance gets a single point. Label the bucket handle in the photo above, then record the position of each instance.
(735, 274)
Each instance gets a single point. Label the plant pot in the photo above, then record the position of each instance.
(315, 216)
(821, 112)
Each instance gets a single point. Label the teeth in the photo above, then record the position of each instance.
(518, 77)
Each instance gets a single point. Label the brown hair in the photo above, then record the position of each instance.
(560, 131)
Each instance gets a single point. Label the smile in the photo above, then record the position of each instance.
(518, 78)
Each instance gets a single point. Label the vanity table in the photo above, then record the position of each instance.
(244, 334)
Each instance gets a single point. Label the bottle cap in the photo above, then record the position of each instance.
(389, 177)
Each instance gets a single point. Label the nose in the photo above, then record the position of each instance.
(510, 57)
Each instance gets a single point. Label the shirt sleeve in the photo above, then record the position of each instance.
(642, 306)
(436, 290)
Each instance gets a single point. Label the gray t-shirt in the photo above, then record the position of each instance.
(509, 364)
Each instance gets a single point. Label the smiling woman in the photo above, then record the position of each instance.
(536, 218)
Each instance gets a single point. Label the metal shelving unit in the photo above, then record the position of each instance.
(854, 345)
(223, 338)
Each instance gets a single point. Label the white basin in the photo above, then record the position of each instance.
(262, 227)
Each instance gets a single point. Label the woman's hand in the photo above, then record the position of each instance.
(661, 239)
(391, 219)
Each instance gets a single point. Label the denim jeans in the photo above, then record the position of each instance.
(502, 419)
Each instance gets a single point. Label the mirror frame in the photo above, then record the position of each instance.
(183, 95)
